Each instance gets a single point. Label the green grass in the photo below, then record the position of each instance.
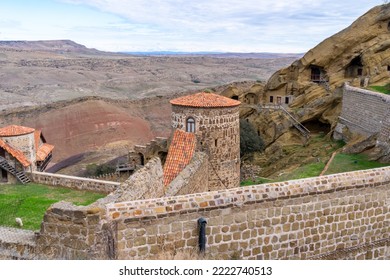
(305, 171)
(382, 89)
(344, 163)
(255, 182)
(31, 201)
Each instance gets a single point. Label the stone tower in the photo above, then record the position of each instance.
(22, 139)
(215, 121)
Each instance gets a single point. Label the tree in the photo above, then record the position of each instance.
(250, 142)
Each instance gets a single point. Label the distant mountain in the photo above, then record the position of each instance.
(58, 46)
(68, 46)
(263, 55)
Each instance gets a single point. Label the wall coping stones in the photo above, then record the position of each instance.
(383, 96)
(154, 208)
(76, 178)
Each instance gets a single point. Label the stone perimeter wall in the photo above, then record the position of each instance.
(341, 216)
(192, 179)
(145, 183)
(363, 111)
(77, 183)
(344, 216)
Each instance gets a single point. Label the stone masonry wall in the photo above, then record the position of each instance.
(77, 183)
(193, 178)
(346, 215)
(146, 183)
(341, 216)
(363, 111)
(73, 232)
(16, 244)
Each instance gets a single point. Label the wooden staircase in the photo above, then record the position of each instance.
(20, 175)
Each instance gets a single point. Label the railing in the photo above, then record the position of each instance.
(299, 126)
(20, 175)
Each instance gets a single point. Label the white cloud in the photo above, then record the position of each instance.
(232, 24)
(193, 25)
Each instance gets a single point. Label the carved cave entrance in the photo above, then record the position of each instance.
(354, 68)
(317, 127)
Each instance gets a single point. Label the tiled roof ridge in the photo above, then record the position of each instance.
(180, 153)
(205, 100)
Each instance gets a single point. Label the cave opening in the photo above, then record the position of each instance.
(317, 127)
(354, 68)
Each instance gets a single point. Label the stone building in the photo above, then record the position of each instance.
(214, 120)
(22, 149)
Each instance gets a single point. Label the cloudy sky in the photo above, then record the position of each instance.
(181, 25)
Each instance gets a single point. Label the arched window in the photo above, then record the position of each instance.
(190, 125)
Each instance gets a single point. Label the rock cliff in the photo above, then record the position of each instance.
(359, 55)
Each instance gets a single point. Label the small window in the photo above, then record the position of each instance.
(271, 99)
(216, 142)
(235, 97)
(287, 100)
(388, 67)
(360, 71)
(190, 125)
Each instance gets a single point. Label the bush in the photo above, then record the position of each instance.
(94, 170)
(250, 142)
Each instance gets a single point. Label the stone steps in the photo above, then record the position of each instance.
(20, 175)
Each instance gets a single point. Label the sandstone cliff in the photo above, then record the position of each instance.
(359, 54)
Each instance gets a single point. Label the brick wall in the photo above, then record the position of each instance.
(193, 178)
(301, 219)
(363, 111)
(77, 183)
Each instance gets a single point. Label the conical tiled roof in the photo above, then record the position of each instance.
(15, 130)
(205, 100)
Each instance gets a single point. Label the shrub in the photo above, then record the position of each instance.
(94, 170)
(250, 142)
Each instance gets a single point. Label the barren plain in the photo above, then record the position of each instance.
(86, 100)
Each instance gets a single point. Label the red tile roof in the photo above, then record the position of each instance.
(37, 138)
(205, 100)
(15, 153)
(15, 130)
(44, 151)
(180, 153)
